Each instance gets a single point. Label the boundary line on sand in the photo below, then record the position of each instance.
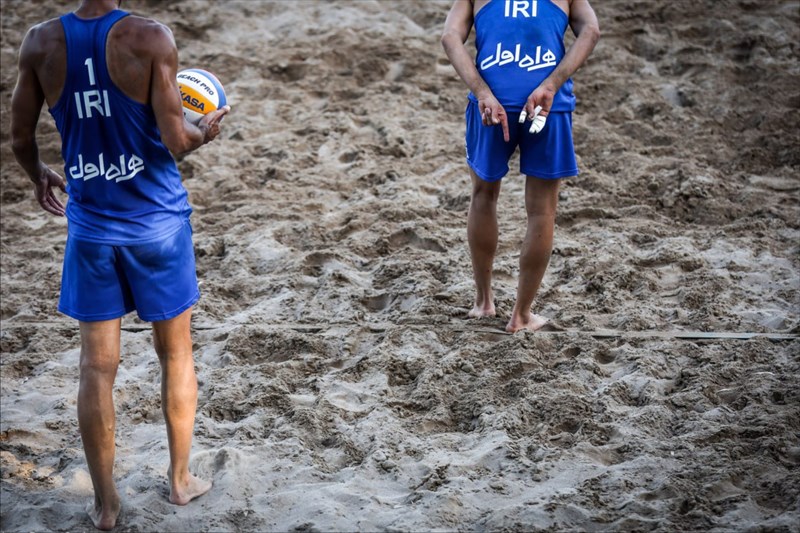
(382, 327)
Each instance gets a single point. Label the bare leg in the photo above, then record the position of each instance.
(173, 343)
(99, 362)
(541, 199)
(482, 237)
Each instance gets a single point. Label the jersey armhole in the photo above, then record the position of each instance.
(566, 16)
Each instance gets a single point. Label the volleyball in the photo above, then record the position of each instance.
(201, 93)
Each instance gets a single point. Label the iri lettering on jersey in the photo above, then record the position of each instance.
(521, 8)
(87, 102)
(539, 59)
(95, 104)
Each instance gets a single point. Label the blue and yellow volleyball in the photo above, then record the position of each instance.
(201, 93)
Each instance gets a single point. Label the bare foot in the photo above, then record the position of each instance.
(483, 307)
(532, 323)
(478, 311)
(183, 491)
(103, 517)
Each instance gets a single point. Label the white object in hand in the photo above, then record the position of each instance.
(523, 116)
(537, 122)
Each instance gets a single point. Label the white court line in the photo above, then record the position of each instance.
(460, 327)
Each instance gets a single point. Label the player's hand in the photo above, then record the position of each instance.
(43, 187)
(537, 119)
(537, 107)
(210, 123)
(492, 114)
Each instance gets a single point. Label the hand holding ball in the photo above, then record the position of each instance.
(201, 93)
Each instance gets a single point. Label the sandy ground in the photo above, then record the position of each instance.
(342, 386)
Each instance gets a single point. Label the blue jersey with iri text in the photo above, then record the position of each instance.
(123, 184)
(519, 43)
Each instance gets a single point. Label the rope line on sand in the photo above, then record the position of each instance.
(451, 326)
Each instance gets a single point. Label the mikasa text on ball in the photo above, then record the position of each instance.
(201, 93)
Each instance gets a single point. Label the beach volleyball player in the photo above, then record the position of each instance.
(109, 80)
(521, 96)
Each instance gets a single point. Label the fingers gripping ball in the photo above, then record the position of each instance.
(201, 93)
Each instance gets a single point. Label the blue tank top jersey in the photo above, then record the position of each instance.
(519, 43)
(123, 184)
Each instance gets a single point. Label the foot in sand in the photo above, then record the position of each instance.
(104, 517)
(183, 491)
(483, 307)
(482, 311)
(530, 323)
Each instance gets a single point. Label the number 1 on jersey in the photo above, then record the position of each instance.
(90, 67)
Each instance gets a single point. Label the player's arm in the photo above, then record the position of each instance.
(586, 28)
(584, 24)
(26, 106)
(456, 31)
(177, 134)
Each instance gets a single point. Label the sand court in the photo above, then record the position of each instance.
(341, 386)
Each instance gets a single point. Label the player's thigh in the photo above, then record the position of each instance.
(541, 196)
(100, 345)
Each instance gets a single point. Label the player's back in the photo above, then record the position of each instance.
(519, 43)
(129, 54)
(123, 184)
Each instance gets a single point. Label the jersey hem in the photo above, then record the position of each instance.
(553, 176)
(515, 108)
(122, 242)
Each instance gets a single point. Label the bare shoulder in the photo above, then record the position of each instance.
(145, 34)
(573, 4)
(43, 37)
(147, 26)
(581, 10)
(45, 28)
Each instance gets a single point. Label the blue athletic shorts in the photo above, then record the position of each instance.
(548, 154)
(102, 282)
